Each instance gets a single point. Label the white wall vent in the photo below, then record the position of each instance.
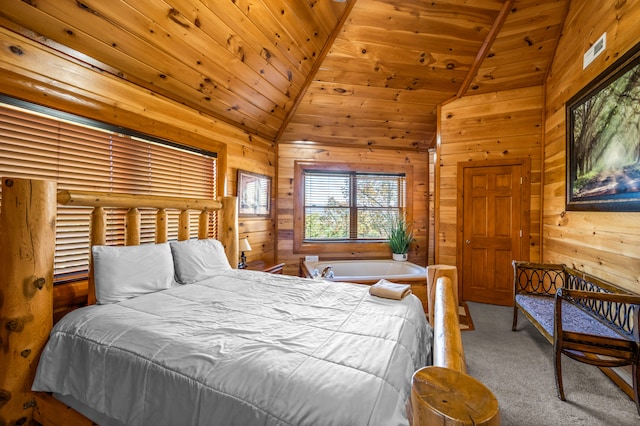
(594, 50)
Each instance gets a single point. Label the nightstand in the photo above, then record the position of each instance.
(260, 265)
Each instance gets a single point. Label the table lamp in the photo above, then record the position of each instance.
(243, 246)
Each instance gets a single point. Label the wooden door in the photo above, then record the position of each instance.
(494, 225)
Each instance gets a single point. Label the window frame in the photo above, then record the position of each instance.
(354, 246)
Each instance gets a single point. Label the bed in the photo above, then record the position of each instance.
(208, 345)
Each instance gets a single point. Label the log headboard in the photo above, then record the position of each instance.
(227, 233)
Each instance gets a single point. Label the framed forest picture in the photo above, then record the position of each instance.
(603, 140)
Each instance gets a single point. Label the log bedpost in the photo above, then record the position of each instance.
(228, 229)
(27, 247)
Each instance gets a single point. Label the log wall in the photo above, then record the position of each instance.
(606, 245)
(288, 153)
(39, 74)
(494, 126)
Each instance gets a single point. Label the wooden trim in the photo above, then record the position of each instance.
(543, 147)
(325, 144)
(525, 195)
(51, 412)
(222, 169)
(436, 187)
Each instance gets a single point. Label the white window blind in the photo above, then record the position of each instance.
(81, 157)
(351, 205)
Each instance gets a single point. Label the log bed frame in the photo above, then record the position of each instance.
(28, 297)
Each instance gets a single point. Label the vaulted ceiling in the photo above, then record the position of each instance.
(367, 73)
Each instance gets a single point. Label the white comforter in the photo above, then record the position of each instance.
(243, 348)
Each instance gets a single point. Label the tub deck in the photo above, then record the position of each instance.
(371, 271)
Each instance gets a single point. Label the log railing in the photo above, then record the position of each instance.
(447, 340)
(443, 394)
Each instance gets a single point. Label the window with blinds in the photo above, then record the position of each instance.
(351, 205)
(39, 143)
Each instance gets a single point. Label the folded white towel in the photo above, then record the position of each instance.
(389, 290)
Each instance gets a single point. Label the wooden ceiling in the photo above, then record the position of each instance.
(367, 73)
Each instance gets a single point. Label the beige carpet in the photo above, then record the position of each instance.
(518, 368)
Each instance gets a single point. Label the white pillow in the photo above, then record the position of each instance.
(196, 260)
(122, 272)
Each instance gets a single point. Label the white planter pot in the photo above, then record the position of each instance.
(400, 257)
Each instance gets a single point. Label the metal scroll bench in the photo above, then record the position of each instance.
(587, 319)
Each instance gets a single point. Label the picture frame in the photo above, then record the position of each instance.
(603, 140)
(254, 194)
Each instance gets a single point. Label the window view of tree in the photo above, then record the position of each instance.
(606, 139)
(351, 205)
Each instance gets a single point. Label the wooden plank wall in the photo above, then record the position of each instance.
(260, 230)
(500, 125)
(289, 152)
(606, 245)
(33, 72)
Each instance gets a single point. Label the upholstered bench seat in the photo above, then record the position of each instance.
(574, 319)
(586, 318)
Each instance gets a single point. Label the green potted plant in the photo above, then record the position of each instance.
(400, 237)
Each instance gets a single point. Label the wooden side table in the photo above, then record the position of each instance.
(260, 265)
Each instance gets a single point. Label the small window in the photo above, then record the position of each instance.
(347, 203)
(351, 206)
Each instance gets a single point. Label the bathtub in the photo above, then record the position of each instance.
(368, 271)
(371, 271)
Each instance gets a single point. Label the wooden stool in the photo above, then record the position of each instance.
(441, 396)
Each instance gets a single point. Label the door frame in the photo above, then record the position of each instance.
(525, 211)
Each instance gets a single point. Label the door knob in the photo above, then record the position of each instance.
(467, 242)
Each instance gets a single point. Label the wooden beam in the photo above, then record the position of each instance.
(316, 66)
(112, 199)
(482, 52)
